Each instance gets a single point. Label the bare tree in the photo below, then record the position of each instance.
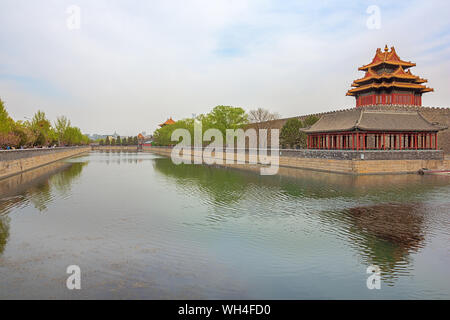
(261, 115)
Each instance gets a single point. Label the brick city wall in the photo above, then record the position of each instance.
(17, 161)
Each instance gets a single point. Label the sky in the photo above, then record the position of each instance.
(127, 66)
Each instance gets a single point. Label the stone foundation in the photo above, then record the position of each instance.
(303, 159)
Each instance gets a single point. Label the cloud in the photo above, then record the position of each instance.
(133, 64)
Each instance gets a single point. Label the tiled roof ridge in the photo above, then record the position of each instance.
(347, 109)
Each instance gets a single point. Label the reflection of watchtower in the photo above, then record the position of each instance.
(141, 139)
(387, 234)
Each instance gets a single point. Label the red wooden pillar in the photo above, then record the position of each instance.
(384, 140)
(357, 141)
(417, 141)
(353, 141)
(400, 141)
(435, 141)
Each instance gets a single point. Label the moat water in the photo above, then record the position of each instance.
(139, 226)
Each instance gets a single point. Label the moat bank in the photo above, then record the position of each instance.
(17, 161)
(351, 162)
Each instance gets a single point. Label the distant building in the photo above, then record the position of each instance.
(168, 122)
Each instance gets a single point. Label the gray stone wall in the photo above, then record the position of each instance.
(9, 155)
(365, 155)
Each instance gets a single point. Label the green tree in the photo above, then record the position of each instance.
(225, 117)
(163, 136)
(135, 141)
(61, 125)
(24, 131)
(6, 122)
(43, 129)
(290, 135)
(7, 136)
(107, 141)
(118, 141)
(113, 142)
(101, 142)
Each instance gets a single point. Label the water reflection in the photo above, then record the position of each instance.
(222, 186)
(299, 183)
(4, 232)
(387, 234)
(37, 187)
(381, 217)
(119, 157)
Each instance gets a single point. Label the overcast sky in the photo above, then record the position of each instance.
(133, 64)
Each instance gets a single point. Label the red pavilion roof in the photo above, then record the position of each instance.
(388, 57)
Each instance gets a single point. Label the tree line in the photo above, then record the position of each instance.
(38, 131)
(228, 117)
(126, 141)
(221, 118)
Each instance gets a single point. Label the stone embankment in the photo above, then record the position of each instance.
(115, 148)
(17, 161)
(350, 162)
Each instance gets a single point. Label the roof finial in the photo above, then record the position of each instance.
(386, 48)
